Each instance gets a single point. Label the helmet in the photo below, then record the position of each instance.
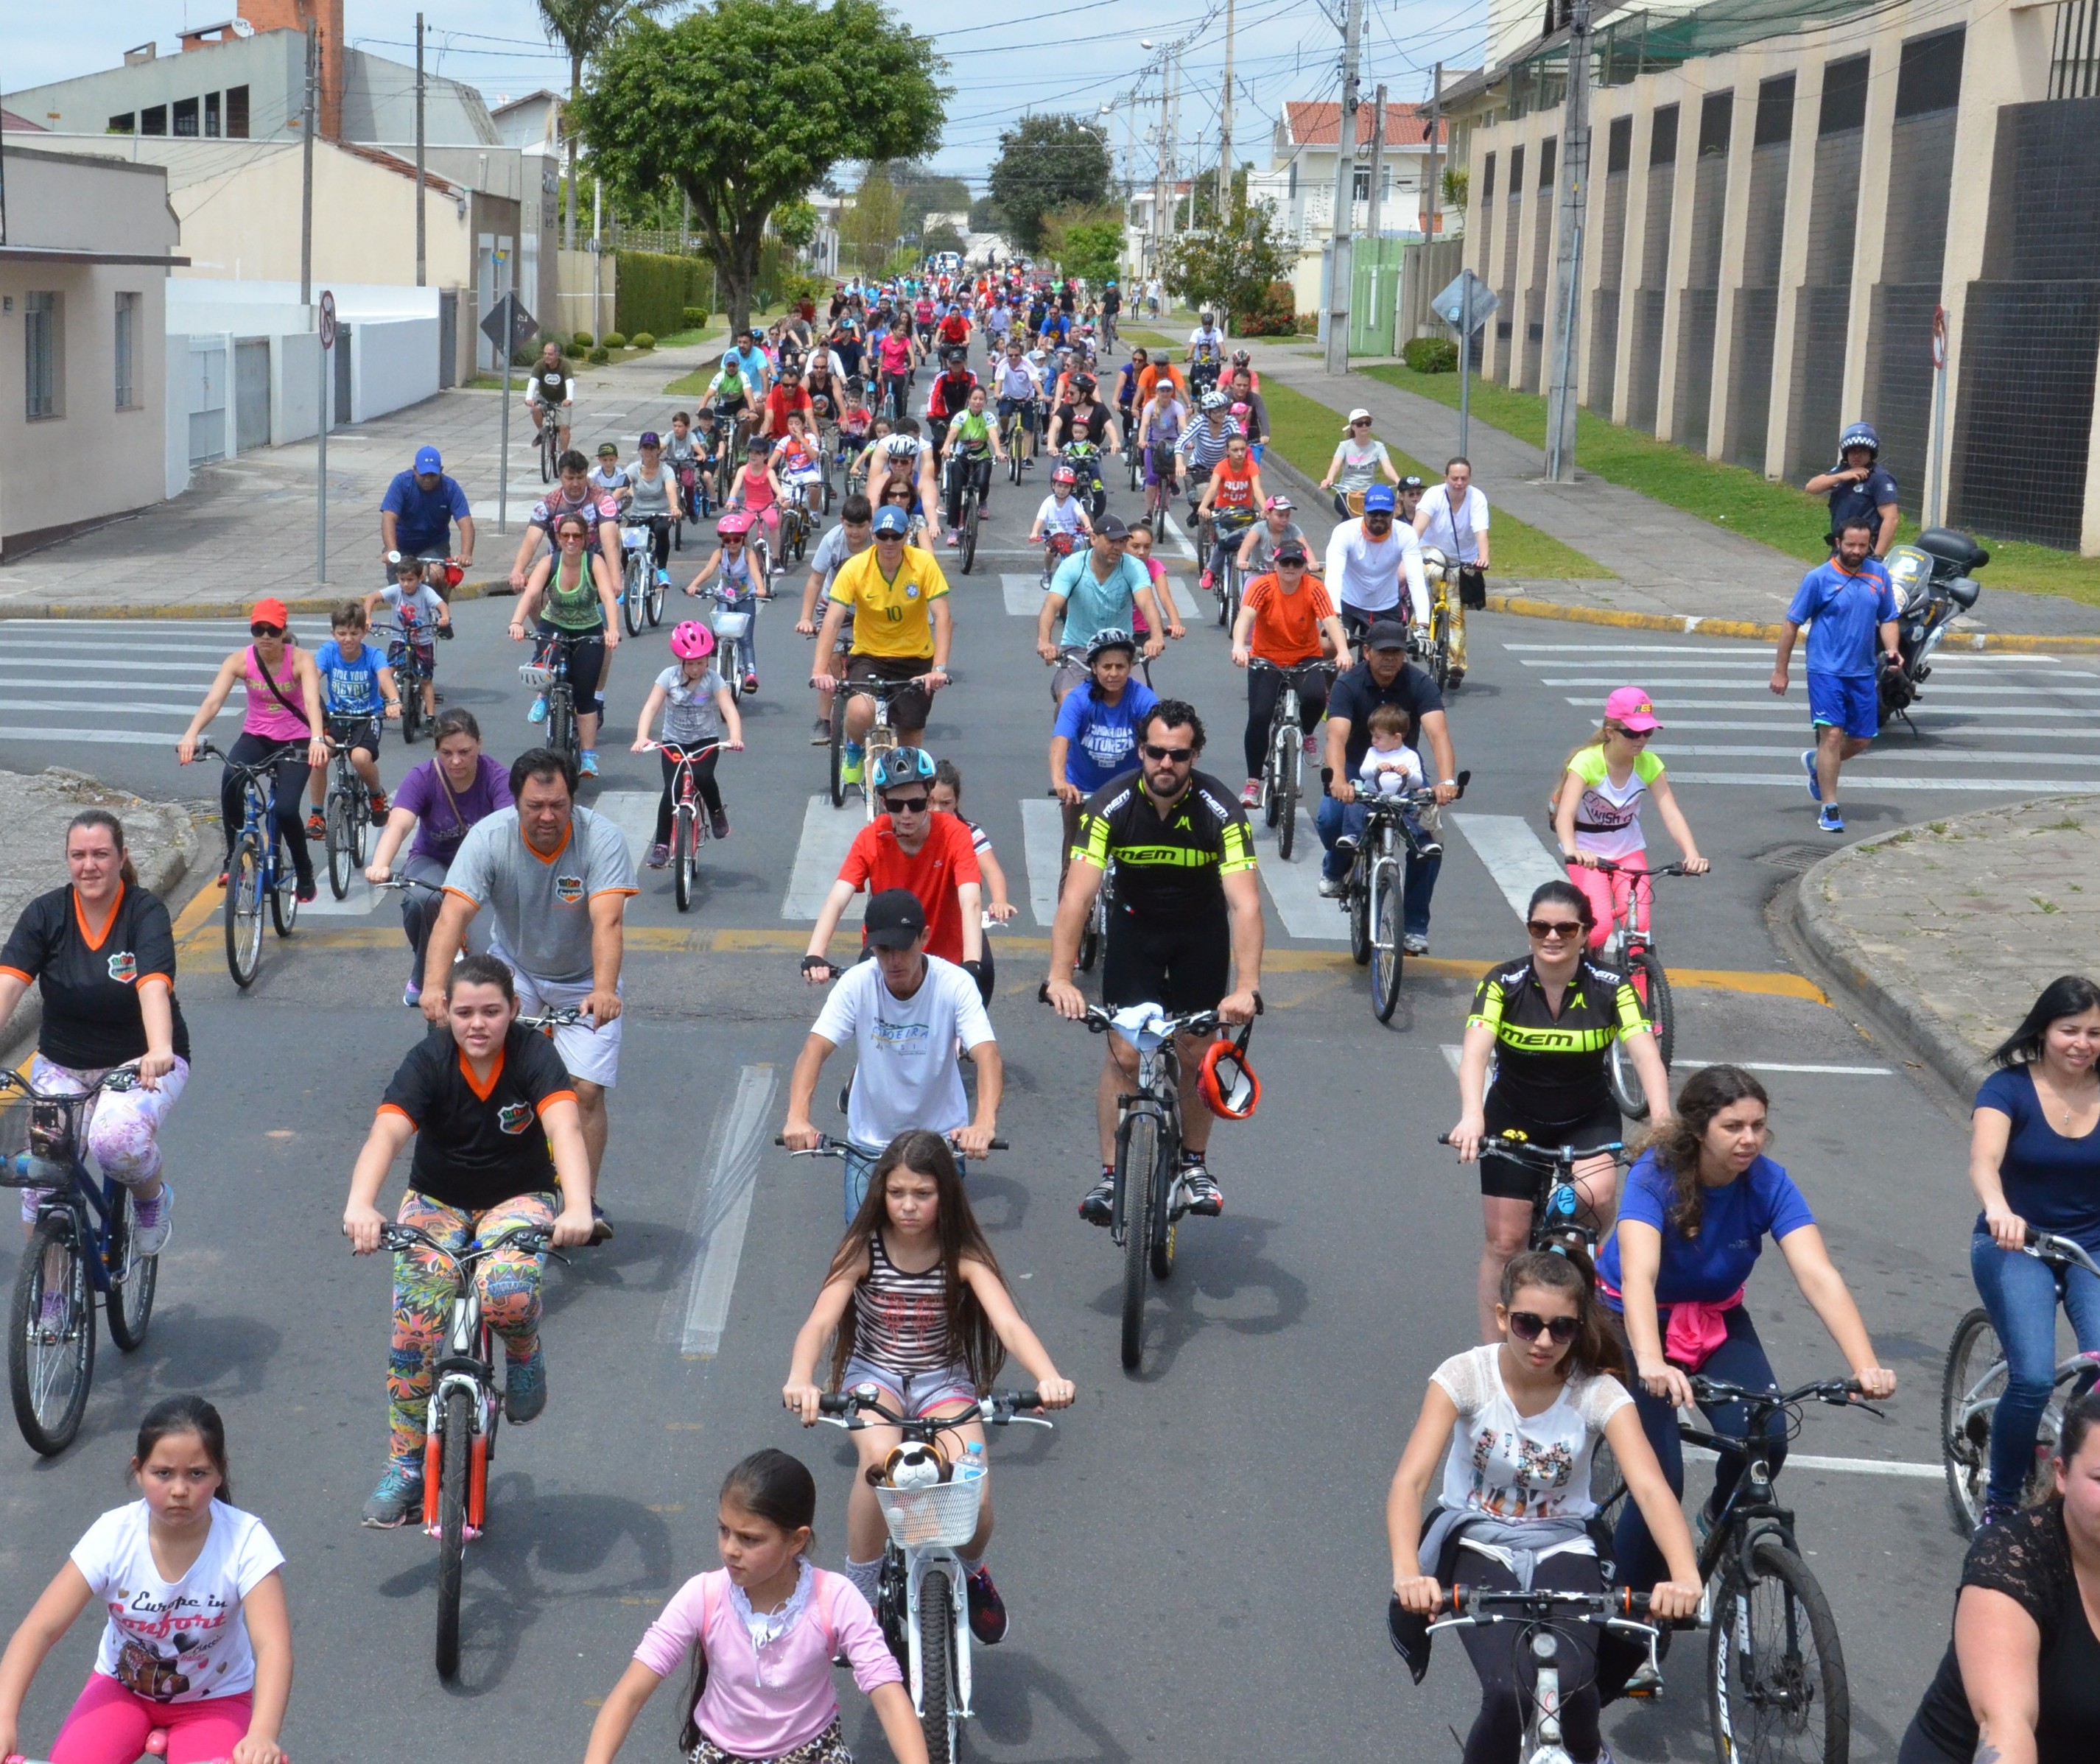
(903, 765)
(1241, 358)
(1083, 382)
(1241, 411)
(1227, 1083)
(1207, 315)
(1860, 434)
(1064, 474)
(1113, 637)
(1213, 400)
(901, 447)
(692, 641)
(736, 521)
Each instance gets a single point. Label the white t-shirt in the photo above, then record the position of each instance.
(1056, 517)
(1521, 1467)
(418, 609)
(184, 1641)
(1365, 575)
(1359, 465)
(1392, 771)
(1455, 538)
(906, 1077)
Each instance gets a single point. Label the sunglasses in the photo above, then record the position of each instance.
(266, 630)
(1361, 422)
(1545, 928)
(732, 538)
(1529, 1325)
(572, 537)
(905, 804)
(1173, 755)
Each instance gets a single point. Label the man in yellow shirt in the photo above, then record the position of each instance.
(899, 599)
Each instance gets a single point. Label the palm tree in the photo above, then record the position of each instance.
(582, 27)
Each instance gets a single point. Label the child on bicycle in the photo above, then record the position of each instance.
(357, 690)
(761, 1632)
(697, 709)
(915, 1303)
(611, 478)
(419, 611)
(216, 1686)
(1391, 768)
(945, 797)
(755, 489)
(1596, 812)
(708, 451)
(1062, 513)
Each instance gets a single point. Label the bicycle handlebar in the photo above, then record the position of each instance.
(1617, 866)
(532, 1238)
(1543, 1157)
(569, 1014)
(2047, 1246)
(1838, 1392)
(406, 882)
(1196, 1023)
(1256, 664)
(122, 1078)
(996, 1407)
(828, 1146)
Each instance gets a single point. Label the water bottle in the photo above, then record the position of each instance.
(973, 1465)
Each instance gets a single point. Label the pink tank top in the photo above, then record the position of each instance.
(266, 716)
(755, 488)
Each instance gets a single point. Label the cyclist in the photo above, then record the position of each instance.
(1367, 557)
(923, 314)
(1206, 348)
(1162, 422)
(1203, 444)
(954, 329)
(287, 734)
(898, 601)
(1596, 812)
(896, 356)
(1257, 547)
(1060, 520)
(652, 488)
(786, 398)
(701, 716)
(419, 612)
(572, 495)
(854, 534)
(1188, 915)
(751, 364)
(1111, 309)
(972, 446)
(1357, 461)
(1453, 516)
(580, 598)
(1548, 1021)
(1095, 737)
(1242, 362)
(357, 690)
(1020, 388)
(825, 385)
(905, 458)
(416, 514)
(610, 478)
(736, 575)
(1282, 621)
(556, 879)
(950, 395)
(1162, 369)
(550, 389)
(497, 1132)
(731, 396)
(109, 999)
(1082, 417)
(1255, 420)
(756, 491)
(1127, 395)
(707, 452)
(1094, 591)
(1693, 1216)
(1231, 494)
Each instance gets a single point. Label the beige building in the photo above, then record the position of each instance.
(1776, 215)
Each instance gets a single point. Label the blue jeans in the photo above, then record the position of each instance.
(1740, 1360)
(2021, 1295)
(1417, 884)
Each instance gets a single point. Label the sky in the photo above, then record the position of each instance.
(1066, 57)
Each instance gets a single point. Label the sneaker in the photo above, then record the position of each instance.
(222, 876)
(820, 733)
(659, 855)
(379, 805)
(601, 1226)
(587, 763)
(718, 823)
(412, 994)
(1206, 1198)
(151, 1221)
(1430, 848)
(1345, 846)
(1312, 746)
(307, 892)
(398, 1499)
(1098, 1208)
(316, 827)
(1831, 820)
(538, 713)
(525, 1388)
(1415, 943)
(987, 1609)
(1208, 576)
(954, 540)
(1333, 888)
(750, 684)
(1646, 1682)
(1814, 783)
(1455, 679)
(1251, 796)
(849, 764)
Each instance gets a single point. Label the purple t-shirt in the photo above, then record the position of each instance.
(446, 814)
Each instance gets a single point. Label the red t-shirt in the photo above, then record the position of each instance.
(955, 328)
(876, 861)
(780, 405)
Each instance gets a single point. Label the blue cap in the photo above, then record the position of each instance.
(429, 459)
(893, 519)
(1379, 496)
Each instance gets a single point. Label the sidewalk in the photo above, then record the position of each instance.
(1670, 566)
(1950, 929)
(246, 527)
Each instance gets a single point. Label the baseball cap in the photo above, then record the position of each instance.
(270, 611)
(1378, 496)
(1359, 415)
(894, 919)
(607, 450)
(892, 519)
(1112, 527)
(651, 438)
(1386, 634)
(1631, 708)
(1290, 552)
(429, 459)
(1279, 504)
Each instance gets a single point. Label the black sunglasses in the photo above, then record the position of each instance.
(905, 804)
(266, 630)
(1177, 755)
(1527, 1326)
(1543, 929)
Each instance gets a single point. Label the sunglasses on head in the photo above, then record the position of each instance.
(1528, 1326)
(1543, 929)
(905, 804)
(1175, 756)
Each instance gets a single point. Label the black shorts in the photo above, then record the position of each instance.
(1500, 1180)
(1181, 964)
(354, 731)
(907, 710)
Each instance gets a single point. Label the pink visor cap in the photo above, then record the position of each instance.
(1630, 708)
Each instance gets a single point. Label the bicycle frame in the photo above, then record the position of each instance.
(1556, 1207)
(1752, 1509)
(74, 1190)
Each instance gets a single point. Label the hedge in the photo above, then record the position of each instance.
(1276, 317)
(653, 290)
(1430, 355)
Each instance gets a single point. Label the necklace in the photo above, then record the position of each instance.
(2064, 1103)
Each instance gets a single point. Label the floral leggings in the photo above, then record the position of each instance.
(122, 1130)
(424, 1286)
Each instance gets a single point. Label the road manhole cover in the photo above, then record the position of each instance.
(1796, 854)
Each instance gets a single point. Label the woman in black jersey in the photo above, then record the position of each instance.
(103, 952)
(1549, 1021)
(2020, 1681)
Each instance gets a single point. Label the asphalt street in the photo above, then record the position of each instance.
(1194, 1560)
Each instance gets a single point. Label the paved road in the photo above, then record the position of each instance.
(1195, 1559)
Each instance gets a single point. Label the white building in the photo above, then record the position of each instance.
(1300, 176)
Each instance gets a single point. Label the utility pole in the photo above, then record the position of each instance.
(1225, 121)
(1568, 258)
(1341, 258)
(1173, 113)
(306, 175)
(1371, 220)
(1432, 188)
(419, 150)
(597, 255)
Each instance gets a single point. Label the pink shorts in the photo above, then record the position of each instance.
(109, 1724)
(1608, 893)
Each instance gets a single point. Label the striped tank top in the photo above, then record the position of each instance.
(900, 1320)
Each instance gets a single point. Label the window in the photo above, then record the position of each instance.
(127, 335)
(186, 115)
(211, 113)
(123, 125)
(236, 112)
(40, 317)
(1844, 103)
(153, 120)
(1361, 189)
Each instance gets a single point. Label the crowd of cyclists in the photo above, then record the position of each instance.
(514, 892)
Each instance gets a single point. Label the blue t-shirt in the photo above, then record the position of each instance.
(1093, 605)
(349, 688)
(1733, 1222)
(1103, 737)
(1841, 610)
(1863, 502)
(423, 519)
(2051, 1180)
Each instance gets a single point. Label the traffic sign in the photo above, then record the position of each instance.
(1466, 297)
(327, 319)
(523, 326)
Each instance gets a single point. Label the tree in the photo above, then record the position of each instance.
(923, 192)
(871, 224)
(1230, 266)
(1049, 162)
(748, 105)
(1084, 241)
(941, 237)
(987, 216)
(582, 27)
(795, 223)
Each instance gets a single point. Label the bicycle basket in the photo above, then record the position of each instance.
(732, 627)
(536, 674)
(36, 1142)
(944, 1516)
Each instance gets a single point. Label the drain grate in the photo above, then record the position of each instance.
(1797, 854)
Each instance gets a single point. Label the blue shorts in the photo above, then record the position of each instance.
(1850, 702)
(912, 1394)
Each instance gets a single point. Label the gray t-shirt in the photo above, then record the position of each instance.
(652, 496)
(542, 905)
(1262, 559)
(690, 712)
(831, 555)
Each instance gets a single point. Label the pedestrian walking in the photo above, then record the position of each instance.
(1849, 609)
(1453, 516)
(1859, 486)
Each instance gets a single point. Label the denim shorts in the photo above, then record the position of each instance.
(913, 1394)
(1850, 702)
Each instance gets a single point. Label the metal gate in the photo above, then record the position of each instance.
(340, 417)
(207, 402)
(251, 393)
(448, 337)
(1374, 297)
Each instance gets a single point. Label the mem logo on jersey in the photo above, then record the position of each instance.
(568, 889)
(123, 967)
(514, 1118)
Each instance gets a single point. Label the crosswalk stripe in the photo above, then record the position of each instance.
(1184, 598)
(1788, 725)
(1758, 665)
(1940, 756)
(1767, 703)
(2007, 660)
(1794, 780)
(102, 709)
(1043, 838)
(633, 812)
(1514, 856)
(1024, 593)
(116, 737)
(1182, 542)
(360, 901)
(828, 833)
(1294, 888)
(110, 665)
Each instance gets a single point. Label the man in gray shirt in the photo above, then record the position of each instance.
(557, 879)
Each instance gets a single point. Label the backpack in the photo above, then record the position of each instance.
(823, 1603)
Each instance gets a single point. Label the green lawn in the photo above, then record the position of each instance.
(1143, 339)
(1306, 432)
(1746, 502)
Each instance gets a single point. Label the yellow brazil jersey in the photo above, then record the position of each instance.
(891, 615)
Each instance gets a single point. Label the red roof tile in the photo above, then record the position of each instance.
(1320, 125)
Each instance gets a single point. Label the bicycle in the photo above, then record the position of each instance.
(642, 585)
(1285, 759)
(1975, 1379)
(1430, 648)
(1149, 1199)
(550, 674)
(828, 448)
(1374, 895)
(796, 522)
(1094, 934)
(967, 525)
(1556, 1203)
(1632, 952)
(921, 1600)
(734, 621)
(1230, 584)
(879, 739)
(690, 828)
(81, 1248)
(1018, 431)
(465, 1413)
(257, 866)
(346, 815)
(404, 656)
(1165, 486)
(551, 424)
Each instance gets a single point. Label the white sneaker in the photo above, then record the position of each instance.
(1333, 888)
(153, 1221)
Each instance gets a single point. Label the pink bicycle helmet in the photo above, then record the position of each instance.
(692, 641)
(736, 521)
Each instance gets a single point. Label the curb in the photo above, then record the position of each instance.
(228, 609)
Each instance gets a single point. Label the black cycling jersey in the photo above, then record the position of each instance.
(1551, 1069)
(90, 989)
(476, 1148)
(1171, 864)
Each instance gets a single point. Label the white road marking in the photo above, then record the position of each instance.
(1023, 594)
(182, 711)
(1294, 888)
(1850, 1467)
(1996, 729)
(1874, 781)
(2011, 690)
(633, 812)
(725, 1212)
(1589, 701)
(1185, 599)
(361, 900)
(826, 834)
(1515, 857)
(124, 738)
(1042, 841)
(1938, 755)
(198, 669)
(1182, 542)
(1986, 659)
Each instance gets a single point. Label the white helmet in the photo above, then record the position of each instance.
(1213, 400)
(901, 447)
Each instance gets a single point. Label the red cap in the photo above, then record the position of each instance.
(270, 610)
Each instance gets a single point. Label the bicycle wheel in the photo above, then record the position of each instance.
(1775, 1684)
(1091, 934)
(132, 1279)
(1138, 1177)
(630, 595)
(685, 857)
(561, 722)
(1166, 1229)
(652, 597)
(455, 1459)
(1286, 789)
(546, 460)
(49, 1370)
(838, 761)
(243, 910)
(411, 710)
(1386, 962)
(1359, 925)
(339, 819)
(1652, 987)
(969, 530)
(936, 1665)
(360, 823)
(1969, 1387)
(284, 895)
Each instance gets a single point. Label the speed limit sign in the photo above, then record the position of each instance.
(327, 319)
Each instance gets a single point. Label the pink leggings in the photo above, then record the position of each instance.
(1607, 892)
(109, 1725)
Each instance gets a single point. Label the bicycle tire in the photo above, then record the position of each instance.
(455, 1459)
(1661, 1004)
(969, 530)
(284, 896)
(871, 750)
(936, 1673)
(133, 1279)
(412, 711)
(1607, 1483)
(338, 836)
(561, 722)
(546, 460)
(1771, 1689)
(652, 599)
(1652, 987)
(630, 598)
(1165, 1231)
(1359, 925)
(243, 911)
(685, 855)
(838, 746)
(1970, 1385)
(50, 1427)
(1138, 1159)
(1386, 964)
(1286, 823)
